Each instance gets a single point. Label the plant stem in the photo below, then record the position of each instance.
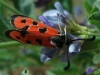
(93, 34)
(9, 44)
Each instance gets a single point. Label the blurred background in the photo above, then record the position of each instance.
(15, 56)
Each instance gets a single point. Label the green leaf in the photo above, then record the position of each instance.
(91, 2)
(88, 5)
(97, 4)
(25, 72)
(96, 72)
(94, 19)
(95, 22)
(95, 16)
(96, 59)
(94, 9)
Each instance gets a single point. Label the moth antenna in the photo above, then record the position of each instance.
(59, 23)
(65, 31)
(68, 60)
(88, 39)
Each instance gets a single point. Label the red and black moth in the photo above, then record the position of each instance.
(30, 31)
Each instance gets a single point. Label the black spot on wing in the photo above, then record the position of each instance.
(35, 23)
(8, 32)
(39, 41)
(23, 21)
(18, 37)
(12, 18)
(27, 41)
(25, 28)
(42, 30)
(23, 33)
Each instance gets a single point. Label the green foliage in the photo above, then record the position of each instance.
(25, 72)
(88, 5)
(15, 55)
(96, 59)
(94, 17)
(25, 6)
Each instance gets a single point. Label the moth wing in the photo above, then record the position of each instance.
(28, 38)
(21, 21)
(32, 26)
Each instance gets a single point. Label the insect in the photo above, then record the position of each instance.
(31, 31)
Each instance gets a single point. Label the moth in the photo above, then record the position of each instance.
(30, 31)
